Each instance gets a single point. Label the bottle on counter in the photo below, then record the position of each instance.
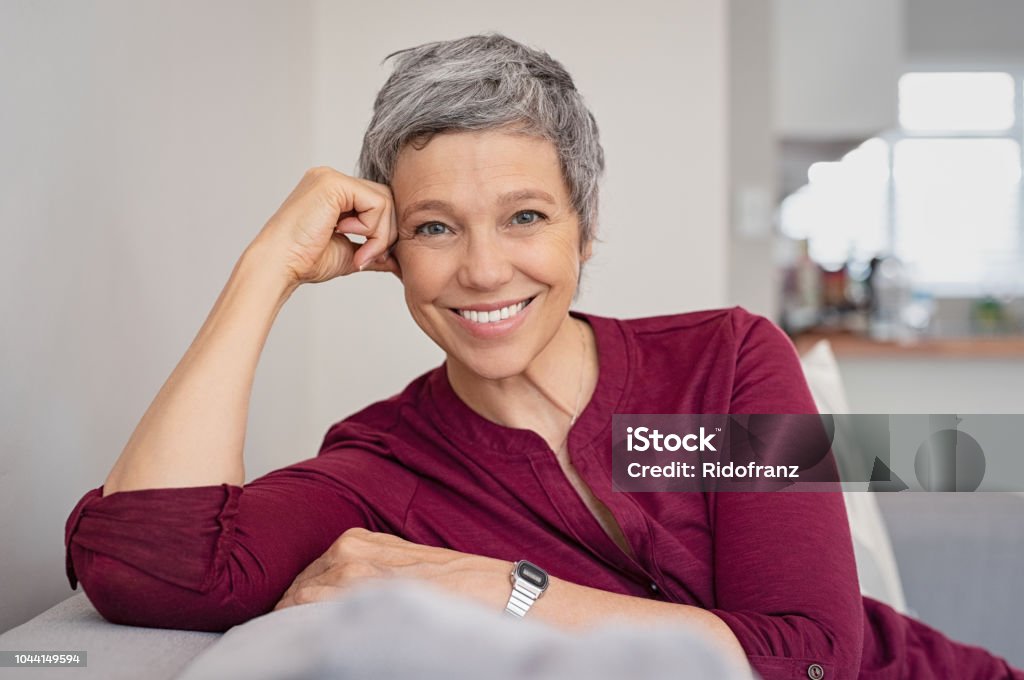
(890, 296)
(858, 296)
(919, 313)
(802, 292)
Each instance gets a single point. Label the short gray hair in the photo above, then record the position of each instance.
(484, 82)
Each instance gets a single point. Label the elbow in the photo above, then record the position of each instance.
(784, 647)
(844, 648)
(127, 596)
(835, 646)
(143, 560)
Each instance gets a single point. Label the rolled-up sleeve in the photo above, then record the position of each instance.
(208, 558)
(786, 584)
(785, 576)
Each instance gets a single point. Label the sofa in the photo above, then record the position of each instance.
(952, 560)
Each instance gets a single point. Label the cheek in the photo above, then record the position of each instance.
(553, 263)
(424, 273)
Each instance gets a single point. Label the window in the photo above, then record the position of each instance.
(951, 102)
(942, 192)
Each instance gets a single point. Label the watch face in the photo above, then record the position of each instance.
(533, 575)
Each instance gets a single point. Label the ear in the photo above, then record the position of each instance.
(391, 264)
(394, 267)
(587, 251)
(388, 265)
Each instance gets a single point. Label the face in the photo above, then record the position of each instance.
(487, 231)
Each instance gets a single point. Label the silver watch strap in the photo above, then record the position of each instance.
(522, 598)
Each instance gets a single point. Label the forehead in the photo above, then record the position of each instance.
(477, 165)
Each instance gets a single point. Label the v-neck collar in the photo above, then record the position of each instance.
(486, 438)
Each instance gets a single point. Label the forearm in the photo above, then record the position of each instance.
(360, 554)
(572, 606)
(193, 434)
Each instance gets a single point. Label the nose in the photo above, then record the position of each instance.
(485, 262)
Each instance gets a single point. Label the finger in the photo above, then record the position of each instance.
(349, 223)
(313, 570)
(375, 209)
(344, 249)
(384, 263)
(393, 221)
(306, 578)
(310, 594)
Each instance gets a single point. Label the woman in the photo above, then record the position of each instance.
(480, 194)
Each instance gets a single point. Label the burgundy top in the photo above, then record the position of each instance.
(778, 568)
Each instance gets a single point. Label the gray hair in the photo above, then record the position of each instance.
(484, 82)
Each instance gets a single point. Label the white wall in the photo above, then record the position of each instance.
(837, 63)
(754, 281)
(142, 146)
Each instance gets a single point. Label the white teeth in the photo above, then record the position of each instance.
(493, 315)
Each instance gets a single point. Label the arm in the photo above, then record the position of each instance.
(785, 577)
(570, 605)
(211, 557)
(172, 539)
(193, 433)
(360, 555)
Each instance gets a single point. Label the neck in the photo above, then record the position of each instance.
(547, 396)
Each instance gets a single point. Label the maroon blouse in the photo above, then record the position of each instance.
(778, 568)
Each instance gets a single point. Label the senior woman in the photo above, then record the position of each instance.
(479, 192)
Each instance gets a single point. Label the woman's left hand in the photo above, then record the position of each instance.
(360, 555)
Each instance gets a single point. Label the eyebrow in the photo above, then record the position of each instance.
(504, 199)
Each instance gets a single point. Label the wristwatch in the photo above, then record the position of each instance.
(528, 583)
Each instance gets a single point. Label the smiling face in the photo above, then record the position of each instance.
(489, 247)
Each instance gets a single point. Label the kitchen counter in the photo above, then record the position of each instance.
(852, 346)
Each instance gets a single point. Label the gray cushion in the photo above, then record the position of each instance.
(114, 652)
(392, 629)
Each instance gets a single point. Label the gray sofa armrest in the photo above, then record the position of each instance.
(114, 652)
(960, 557)
(391, 629)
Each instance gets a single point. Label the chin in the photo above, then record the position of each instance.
(498, 365)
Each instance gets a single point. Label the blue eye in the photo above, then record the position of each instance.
(533, 214)
(431, 229)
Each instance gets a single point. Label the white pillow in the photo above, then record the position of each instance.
(876, 565)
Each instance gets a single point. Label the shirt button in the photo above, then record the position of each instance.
(815, 672)
(654, 587)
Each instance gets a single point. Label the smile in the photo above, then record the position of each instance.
(486, 316)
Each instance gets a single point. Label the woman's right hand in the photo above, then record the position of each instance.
(308, 232)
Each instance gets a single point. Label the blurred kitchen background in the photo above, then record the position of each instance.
(849, 168)
(895, 195)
